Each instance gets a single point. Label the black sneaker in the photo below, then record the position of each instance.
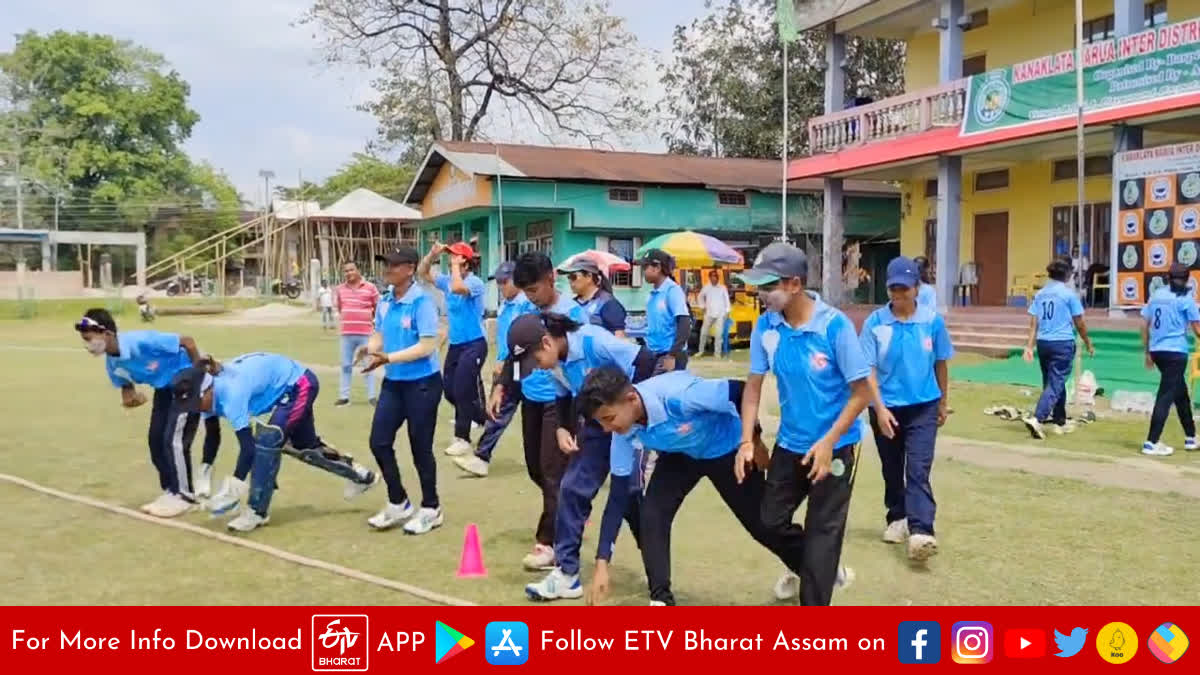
(372, 401)
(341, 402)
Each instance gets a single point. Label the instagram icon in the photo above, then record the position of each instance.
(972, 642)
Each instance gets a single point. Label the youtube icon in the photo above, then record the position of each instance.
(1024, 643)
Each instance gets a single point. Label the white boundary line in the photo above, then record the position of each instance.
(348, 572)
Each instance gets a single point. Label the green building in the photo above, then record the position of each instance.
(516, 198)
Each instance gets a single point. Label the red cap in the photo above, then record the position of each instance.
(461, 248)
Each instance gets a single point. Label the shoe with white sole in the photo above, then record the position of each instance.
(657, 603)
(1035, 428)
(204, 481)
(787, 587)
(555, 586)
(367, 480)
(458, 448)
(248, 521)
(922, 547)
(472, 465)
(170, 506)
(1190, 444)
(391, 516)
(425, 521)
(1157, 449)
(896, 532)
(145, 508)
(229, 497)
(845, 577)
(540, 558)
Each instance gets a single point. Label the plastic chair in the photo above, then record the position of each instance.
(1021, 287)
(1100, 281)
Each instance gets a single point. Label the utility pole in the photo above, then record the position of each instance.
(267, 175)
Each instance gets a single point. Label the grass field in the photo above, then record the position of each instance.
(1007, 536)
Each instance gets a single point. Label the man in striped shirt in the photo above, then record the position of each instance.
(355, 302)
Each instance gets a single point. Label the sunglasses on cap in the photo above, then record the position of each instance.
(87, 323)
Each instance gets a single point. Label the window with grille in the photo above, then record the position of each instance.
(625, 195)
(732, 199)
(623, 249)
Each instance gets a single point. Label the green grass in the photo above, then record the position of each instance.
(1007, 537)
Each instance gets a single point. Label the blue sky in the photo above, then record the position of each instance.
(264, 98)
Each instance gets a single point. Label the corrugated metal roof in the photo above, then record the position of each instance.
(363, 204)
(611, 166)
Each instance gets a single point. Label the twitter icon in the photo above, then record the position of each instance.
(1069, 645)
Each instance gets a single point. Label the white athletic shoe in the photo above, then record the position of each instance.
(229, 497)
(170, 506)
(391, 515)
(472, 465)
(555, 586)
(657, 603)
(367, 480)
(424, 521)
(896, 532)
(845, 577)
(921, 547)
(204, 481)
(1035, 428)
(1157, 449)
(458, 448)
(145, 508)
(787, 587)
(247, 521)
(1190, 444)
(541, 558)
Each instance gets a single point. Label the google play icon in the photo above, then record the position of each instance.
(449, 642)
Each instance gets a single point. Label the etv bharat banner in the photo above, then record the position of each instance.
(1152, 65)
(1157, 193)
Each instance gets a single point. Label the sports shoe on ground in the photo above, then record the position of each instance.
(145, 508)
(458, 448)
(367, 480)
(555, 586)
(372, 402)
(391, 515)
(845, 577)
(472, 465)
(896, 532)
(657, 603)
(1035, 428)
(204, 481)
(341, 403)
(170, 506)
(921, 547)
(1190, 444)
(540, 558)
(1157, 449)
(787, 586)
(247, 521)
(229, 497)
(424, 521)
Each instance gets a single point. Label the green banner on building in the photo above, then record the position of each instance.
(1155, 64)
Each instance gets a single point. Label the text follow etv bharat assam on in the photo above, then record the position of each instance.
(190, 639)
(578, 640)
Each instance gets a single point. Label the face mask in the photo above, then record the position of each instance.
(97, 346)
(777, 299)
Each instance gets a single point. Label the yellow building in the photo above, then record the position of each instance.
(983, 141)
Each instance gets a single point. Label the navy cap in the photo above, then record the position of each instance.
(657, 256)
(524, 337)
(188, 386)
(504, 271)
(776, 261)
(902, 271)
(404, 255)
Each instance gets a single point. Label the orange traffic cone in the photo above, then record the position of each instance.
(470, 565)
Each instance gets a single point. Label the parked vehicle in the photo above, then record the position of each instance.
(292, 288)
(187, 285)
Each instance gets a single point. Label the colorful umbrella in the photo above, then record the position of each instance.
(607, 262)
(692, 249)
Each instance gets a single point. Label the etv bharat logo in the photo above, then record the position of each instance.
(340, 642)
(992, 100)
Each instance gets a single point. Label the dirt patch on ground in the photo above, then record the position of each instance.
(274, 314)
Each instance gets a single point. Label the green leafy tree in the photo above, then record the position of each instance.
(362, 171)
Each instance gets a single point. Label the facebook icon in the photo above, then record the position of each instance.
(920, 642)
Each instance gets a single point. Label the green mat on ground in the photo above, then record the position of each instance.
(1119, 365)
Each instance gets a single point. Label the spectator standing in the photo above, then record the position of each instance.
(355, 301)
(714, 298)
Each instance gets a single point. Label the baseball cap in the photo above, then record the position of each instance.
(580, 265)
(96, 319)
(504, 272)
(188, 386)
(404, 255)
(657, 256)
(776, 261)
(524, 337)
(902, 271)
(461, 248)
(1178, 271)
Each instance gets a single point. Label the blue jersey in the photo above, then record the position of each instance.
(592, 347)
(1168, 317)
(903, 353)
(685, 414)
(605, 311)
(509, 311)
(252, 384)
(540, 386)
(813, 366)
(403, 322)
(927, 296)
(465, 312)
(665, 304)
(1055, 307)
(146, 357)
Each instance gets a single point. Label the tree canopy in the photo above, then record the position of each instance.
(363, 170)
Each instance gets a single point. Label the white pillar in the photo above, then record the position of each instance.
(949, 228)
(140, 262)
(1128, 17)
(833, 226)
(950, 41)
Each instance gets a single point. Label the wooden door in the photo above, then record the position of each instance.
(991, 257)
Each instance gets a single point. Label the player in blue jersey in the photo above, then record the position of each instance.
(1170, 315)
(593, 292)
(153, 358)
(668, 317)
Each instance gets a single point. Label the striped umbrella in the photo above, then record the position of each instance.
(692, 249)
(607, 262)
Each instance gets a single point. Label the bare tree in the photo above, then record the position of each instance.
(566, 66)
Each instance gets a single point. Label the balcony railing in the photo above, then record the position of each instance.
(890, 118)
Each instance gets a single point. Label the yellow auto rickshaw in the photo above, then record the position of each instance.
(743, 302)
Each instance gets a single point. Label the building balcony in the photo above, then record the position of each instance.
(891, 118)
